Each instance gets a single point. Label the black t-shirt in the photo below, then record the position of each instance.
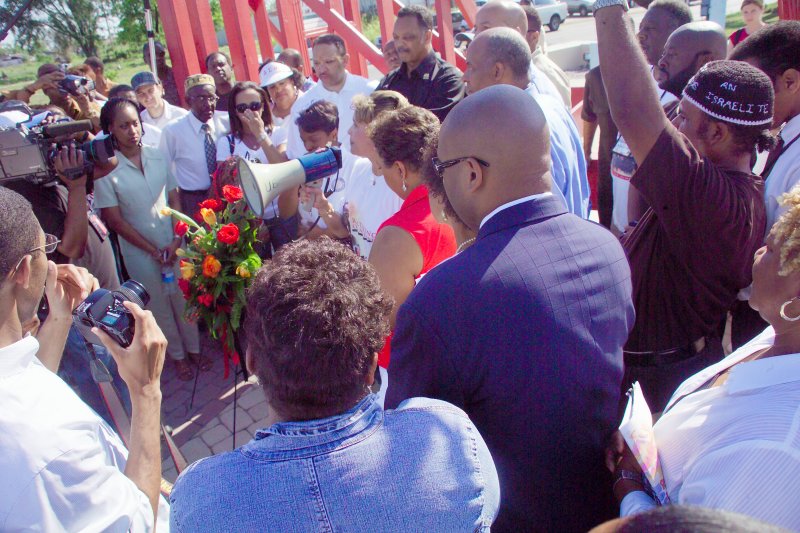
(50, 207)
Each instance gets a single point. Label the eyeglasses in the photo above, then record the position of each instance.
(252, 106)
(210, 98)
(439, 165)
(51, 242)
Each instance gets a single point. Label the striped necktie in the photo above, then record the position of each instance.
(211, 149)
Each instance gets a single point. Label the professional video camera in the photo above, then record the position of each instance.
(75, 85)
(27, 151)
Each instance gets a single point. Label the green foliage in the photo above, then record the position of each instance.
(132, 31)
(734, 21)
(66, 22)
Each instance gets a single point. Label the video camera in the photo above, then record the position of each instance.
(27, 152)
(75, 85)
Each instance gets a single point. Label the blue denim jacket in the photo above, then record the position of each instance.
(421, 467)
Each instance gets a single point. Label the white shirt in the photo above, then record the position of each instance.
(785, 173)
(184, 143)
(240, 149)
(353, 85)
(541, 84)
(512, 204)
(62, 466)
(170, 114)
(736, 446)
(555, 74)
(368, 203)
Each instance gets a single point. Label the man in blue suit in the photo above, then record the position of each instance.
(523, 330)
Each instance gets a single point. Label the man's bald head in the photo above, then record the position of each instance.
(501, 13)
(504, 127)
(687, 49)
(497, 55)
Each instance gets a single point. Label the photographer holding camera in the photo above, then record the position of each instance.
(24, 94)
(63, 468)
(71, 95)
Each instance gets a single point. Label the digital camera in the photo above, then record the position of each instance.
(103, 309)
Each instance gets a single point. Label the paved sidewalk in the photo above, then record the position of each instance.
(207, 427)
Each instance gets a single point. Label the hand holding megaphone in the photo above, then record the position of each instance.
(262, 183)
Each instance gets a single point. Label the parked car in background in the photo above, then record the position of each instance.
(552, 13)
(580, 7)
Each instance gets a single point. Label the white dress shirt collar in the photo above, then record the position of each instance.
(513, 203)
(197, 126)
(14, 358)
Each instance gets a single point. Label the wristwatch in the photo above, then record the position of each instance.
(600, 4)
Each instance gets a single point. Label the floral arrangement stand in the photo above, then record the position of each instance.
(217, 265)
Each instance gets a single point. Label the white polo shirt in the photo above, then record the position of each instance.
(183, 141)
(353, 85)
(171, 113)
(62, 466)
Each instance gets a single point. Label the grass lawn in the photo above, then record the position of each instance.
(734, 20)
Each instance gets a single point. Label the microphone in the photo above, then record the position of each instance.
(65, 129)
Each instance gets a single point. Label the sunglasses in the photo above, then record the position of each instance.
(439, 166)
(252, 106)
(51, 242)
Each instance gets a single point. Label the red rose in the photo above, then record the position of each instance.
(181, 228)
(185, 288)
(206, 299)
(232, 193)
(215, 204)
(228, 234)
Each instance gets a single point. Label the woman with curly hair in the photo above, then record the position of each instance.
(729, 437)
(329, 457)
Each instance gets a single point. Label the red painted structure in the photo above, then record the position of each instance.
(789, 9)
(190, 34)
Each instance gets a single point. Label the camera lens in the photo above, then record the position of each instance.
(135, 292)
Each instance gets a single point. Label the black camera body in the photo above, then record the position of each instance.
(75, 85)
(103, 309)
(27, 153)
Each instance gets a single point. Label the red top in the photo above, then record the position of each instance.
(738, 36)
(436, 241)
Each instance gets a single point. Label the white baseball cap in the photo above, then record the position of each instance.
(273, 72)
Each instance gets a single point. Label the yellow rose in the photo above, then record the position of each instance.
(180, 252)
(242, 271)
(166, 211)
(209, 216)
(187, 270)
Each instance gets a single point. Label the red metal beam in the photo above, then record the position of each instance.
(203, 33)
(468, 9)
(386, 15)
(178, 33)
(241, 40)
(263, 31)
(352, 12)
(356, 42)
(445, 27)
(789, 9)
(291, 18)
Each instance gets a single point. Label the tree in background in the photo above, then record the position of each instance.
(73, 21)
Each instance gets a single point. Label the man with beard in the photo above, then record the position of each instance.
(688, 48)
(662, 18)
(425, 79)
(692, 250)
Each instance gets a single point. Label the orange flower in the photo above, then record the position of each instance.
(208, 216)
(211, 266)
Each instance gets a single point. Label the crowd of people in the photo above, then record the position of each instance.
(443, 337)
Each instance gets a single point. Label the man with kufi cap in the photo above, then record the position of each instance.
(190, 142)
(692, 250)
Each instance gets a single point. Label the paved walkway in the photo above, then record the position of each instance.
(206, 427)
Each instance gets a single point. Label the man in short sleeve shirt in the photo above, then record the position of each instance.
(692, 251)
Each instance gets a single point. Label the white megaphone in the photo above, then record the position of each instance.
(262, 183)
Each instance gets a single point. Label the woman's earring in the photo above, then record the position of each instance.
(444, 215)
(405, 187)
(783, 311)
